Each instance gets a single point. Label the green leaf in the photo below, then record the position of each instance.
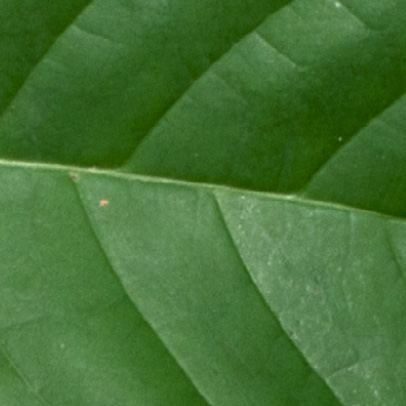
(28, 28)
(258, 94)
(285, 98)
(129, 290)
(124, 289)
(112, 73)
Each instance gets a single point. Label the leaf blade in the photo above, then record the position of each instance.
(65, 322)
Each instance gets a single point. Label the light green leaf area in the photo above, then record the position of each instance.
(124, 290)
(244, 243)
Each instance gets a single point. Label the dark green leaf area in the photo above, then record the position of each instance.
(368, 172)
(28, 28)
(114, 71)
(282, 101)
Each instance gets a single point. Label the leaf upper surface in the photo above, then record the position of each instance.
(240, 297)
(172, 289)
(261, 95)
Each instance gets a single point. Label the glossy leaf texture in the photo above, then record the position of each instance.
(244, 243)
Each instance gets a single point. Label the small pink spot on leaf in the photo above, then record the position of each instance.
(103, 203)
